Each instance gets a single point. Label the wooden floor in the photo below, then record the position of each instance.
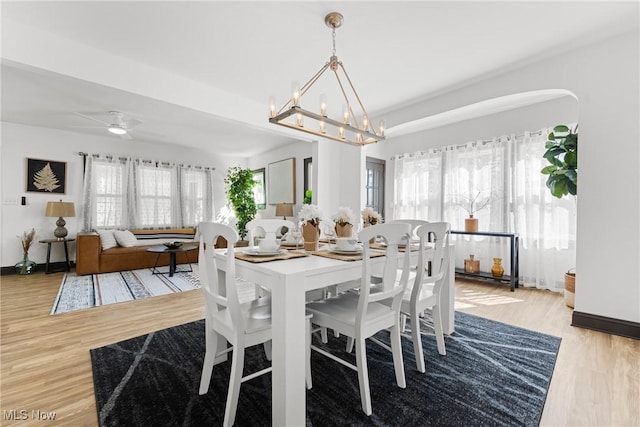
(46, 365)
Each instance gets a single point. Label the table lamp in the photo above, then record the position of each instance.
(60, 209)
(284, 210)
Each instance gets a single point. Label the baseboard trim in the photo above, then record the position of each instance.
(54, 267)
(609, 325)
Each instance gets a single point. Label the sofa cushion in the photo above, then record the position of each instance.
(125, 238)
(107, 239)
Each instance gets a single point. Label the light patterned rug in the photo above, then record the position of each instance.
(92, 290)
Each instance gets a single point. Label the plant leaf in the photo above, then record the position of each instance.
(561, 128)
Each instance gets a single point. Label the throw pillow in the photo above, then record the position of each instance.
(107, 239)
(125, 238)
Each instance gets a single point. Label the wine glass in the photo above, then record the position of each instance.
(330, 232)
(296, 233)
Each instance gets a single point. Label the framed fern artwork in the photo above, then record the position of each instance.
(46, 176)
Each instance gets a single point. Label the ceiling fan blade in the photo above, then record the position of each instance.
(90, 116)
(130, 123)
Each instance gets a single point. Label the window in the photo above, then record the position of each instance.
(126, 193)
(259, 191)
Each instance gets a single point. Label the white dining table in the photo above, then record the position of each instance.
(288, 281)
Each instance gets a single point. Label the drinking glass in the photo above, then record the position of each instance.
(296, 233)
(330, 232)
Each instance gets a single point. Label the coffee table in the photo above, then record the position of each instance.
(172, 257)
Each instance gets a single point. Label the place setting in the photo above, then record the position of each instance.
(268, 249)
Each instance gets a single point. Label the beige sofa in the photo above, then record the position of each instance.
(91, 258)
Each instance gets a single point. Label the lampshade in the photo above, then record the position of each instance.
(58, 209)
(285, 209)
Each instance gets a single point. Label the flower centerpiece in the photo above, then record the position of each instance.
(370, 217)
(344, 220)
(310, 216)
(26, 266)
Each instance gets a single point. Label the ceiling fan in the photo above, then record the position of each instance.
(114, 121)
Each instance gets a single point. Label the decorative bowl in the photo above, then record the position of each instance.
(173, 245)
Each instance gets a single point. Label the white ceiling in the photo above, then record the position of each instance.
(200, 73)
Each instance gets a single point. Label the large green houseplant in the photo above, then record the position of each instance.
(239, 188)
(562, 154)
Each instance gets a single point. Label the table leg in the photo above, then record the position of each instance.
(448, 295)
(289, 352)
(66, 256)
(46, 266)
(172, 263)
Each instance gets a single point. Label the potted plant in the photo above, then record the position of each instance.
(344, 220)
(26, 266)
(239, 191)
(562, 154)
(473, 205)
(310, 216)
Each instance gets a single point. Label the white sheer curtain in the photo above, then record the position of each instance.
(135, 193)
(437, 185)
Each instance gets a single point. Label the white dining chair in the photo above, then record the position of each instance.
(425, 285)
(362, 314)
(242, 324)
(257, 228)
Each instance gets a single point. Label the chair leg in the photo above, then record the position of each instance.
(267, 349)
(211, 343)
(349, 348)
(437, 326)
(363, 376)
(323, 335)
(308, 361)
(403, 322)
(417, 341)
(396, 349)
(237, 366)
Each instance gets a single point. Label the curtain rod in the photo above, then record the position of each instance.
(145, 161)
(482, 141)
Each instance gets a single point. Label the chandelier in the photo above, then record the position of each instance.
(353, 127)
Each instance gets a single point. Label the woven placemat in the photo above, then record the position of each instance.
(285, 255)
(344, 257)
(383, 247)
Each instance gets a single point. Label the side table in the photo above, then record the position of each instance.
(49, 242)
(172, 257)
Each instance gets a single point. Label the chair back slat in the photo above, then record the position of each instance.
(392, 287)
(433, 259)
(219, 296)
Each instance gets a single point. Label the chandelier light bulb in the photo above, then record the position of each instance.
(381, 128)
(365, 122)
(272, 106)
(323, 105)
(299, 120)
(346, 114)
(341, 132)
(322, 128)
(295, 90)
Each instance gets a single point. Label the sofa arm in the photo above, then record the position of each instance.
(88, 248)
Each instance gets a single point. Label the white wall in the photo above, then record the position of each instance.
(605, 78)
(21, 142)
(299, 151)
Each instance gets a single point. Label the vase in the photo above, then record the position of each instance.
(471, 265)
(497, 270)
(26, 266)
(344, 230)
(311, 236)
(570, 288)
(471, 224)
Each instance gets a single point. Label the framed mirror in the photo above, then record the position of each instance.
(281, 182)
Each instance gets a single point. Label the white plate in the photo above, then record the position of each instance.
(346, 252)
(257, 252)
(290, 244)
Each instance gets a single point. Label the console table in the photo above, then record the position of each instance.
(513, 238)
(49, 242)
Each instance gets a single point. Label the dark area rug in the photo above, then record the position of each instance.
(493, 375)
